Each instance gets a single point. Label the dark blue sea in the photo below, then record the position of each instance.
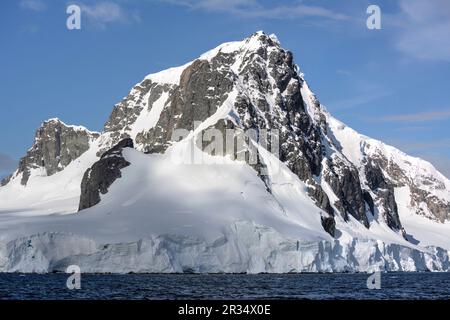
(221, 286)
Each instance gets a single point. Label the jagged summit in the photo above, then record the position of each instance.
(75, 127)
(56, 145)
(330, 199)
(255, 42)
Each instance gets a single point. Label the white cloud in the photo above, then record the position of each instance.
(412, 128)
(221, 5)
(343, 72)
(300, 11)
(33, 5)
(359, 100)
(421, 147)
(104, 13)
(419, 117)
(254, 8)
(424, 29)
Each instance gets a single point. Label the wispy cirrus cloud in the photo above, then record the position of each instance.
(232, 6)
(419, 117)
(412, 128)
(255, 8)
(359, 100)
(423, 28)
(105, 13)
(343, 72)
(98, 13)
(33, 5)
(410, 146)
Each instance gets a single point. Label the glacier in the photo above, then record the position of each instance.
(243, 248)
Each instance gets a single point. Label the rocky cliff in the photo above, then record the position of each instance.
(55, 146)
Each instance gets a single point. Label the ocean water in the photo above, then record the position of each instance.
(221, 286)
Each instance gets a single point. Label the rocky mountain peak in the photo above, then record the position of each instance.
(55, 146)
(261, 39)
(251, 84)
(328, 194)
(256, 85)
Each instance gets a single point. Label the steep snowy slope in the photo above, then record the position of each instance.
(296, 191)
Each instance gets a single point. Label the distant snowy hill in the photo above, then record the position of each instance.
(134, 198)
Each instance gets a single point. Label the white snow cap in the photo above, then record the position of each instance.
(75, 127)
(254, 42)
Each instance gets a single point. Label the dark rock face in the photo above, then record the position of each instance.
(204, 86)
(439, 209)
(329, 225)
(300, 141)
(385, 193)
(125, 113)
(344, 181)
(5, 180)
(102, 174)
(322, 200)
(375, 177)
(369, 200)
(56, 145)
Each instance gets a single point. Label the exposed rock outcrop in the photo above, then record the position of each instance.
(125, 114)
(384, 190)
(5, 180)
(55, 146)
(344, 181)
(204, 86)
(98, 178)
(422, 199)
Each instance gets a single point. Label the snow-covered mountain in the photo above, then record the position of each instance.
(131, 198)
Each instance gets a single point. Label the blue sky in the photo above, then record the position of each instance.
(391, 84)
